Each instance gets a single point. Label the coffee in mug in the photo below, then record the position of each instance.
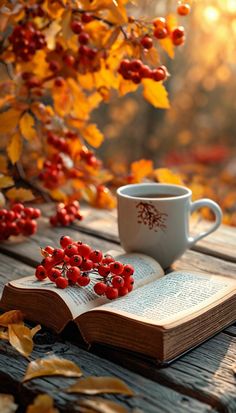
(154, 219)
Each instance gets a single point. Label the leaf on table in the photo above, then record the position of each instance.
(100, 405)
(4, 335)
(3, 164)
(141, 169)
(27, 127)
(21, 338)
(6, 181)
(19, 194)
(7, 404)
(42, 404)
(52, 366)
(11, 317)
(9, 120)
(96, 385)
(166, 176)
(155, 93)
(14, 148)
(93, 135)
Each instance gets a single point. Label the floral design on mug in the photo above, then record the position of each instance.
(149, 215)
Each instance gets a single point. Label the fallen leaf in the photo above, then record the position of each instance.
(141, 169)
(27, 127)
(20, 194)
(96, 385)
(20, 337)
(14, 148)
(155, 93)
(52, 366)
(9, 120)
(93, 135)
(4, 335)
(7, 404)
(3, 164)
(100, 405)
(11, 317)
(166, 176)
(42, 404)
(6, 181)
(34, 330)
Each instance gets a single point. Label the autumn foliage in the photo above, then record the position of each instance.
(60, 60)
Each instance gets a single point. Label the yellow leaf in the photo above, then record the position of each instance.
(19, 194)
(3, 164)
(80, 105)
(21, 339)
(155, 93)
(50, 34)
(9, 120)
(42, 404)
(100, 405)
(62, 99)
(96, 385)
(171, 21)
(52, 366)
(14, 148)
(11, 317)
(168, 46)
(6, 181)
(86, 80)
(165, 175)
(7, 404)
(117, 12)
(58, 195)
(27, 126)
(126, 86)
(141, 169)
(92, 135)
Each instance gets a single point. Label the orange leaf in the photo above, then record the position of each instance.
(3, 164)
(58, 195)
(92, 135)
(14, 148)
(11, 317)
(96, 385)
(27, 126)
(141, 169)
(9, 120)
(164, 175)
(19, 194)
(42, 404)
(4, 335)
(100, 405)
(6, 181)
(168, 46)
(155, 93)
(51, 366)
(7, 404)
(126, 86)
(20, 337)
(171, 21)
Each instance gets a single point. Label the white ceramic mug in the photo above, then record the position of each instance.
(159, 227)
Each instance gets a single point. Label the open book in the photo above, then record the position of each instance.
(163, 317)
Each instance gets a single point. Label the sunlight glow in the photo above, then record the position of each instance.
(211, 14)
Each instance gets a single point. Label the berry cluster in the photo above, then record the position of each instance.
(66, 214)
(52, 173)
(135, 70)
(161, 31)
(57, 142)
(18, 220)
(89, 158)
(26, 40)
(76, 263)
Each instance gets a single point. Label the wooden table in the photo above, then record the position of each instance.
(201, 381)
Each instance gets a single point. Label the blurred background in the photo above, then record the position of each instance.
(197, 136)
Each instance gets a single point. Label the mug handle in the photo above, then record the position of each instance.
(218, 214)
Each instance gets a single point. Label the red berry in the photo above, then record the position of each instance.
(83, 281)
(123, 291)
(100, 288)
(58, 255)
(177, 35)
(96, 256)
(47, 263)
(65, 241)
(84, 250)
(61, 282)
(136, 78)
(83, 38)
(104, 270)
(18, 207)
(86, 17)
(10, 216)
(71, 249)
(135, 65)
(28, 212)
(73, 274)
(116, 267)
(69, 60)
(53, 274)
(75, 260)
(86, 265)
(159, 74)
(59, 81)
(111, 293)
(160, 33)
(183, 9)
(159, 22)
(40, 273)
(54, 66)
(30, 227)
(36, 213)
(53, 221)
(129, 281)
(146, 42)
(145, 71)
(127, 271)
(107, 259)
(49, 249)
(118, 281)
(76, 27)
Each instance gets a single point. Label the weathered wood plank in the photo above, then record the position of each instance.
(150, 396)
(11, 269)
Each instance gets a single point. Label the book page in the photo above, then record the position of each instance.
(171, 298)
(79, 299)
